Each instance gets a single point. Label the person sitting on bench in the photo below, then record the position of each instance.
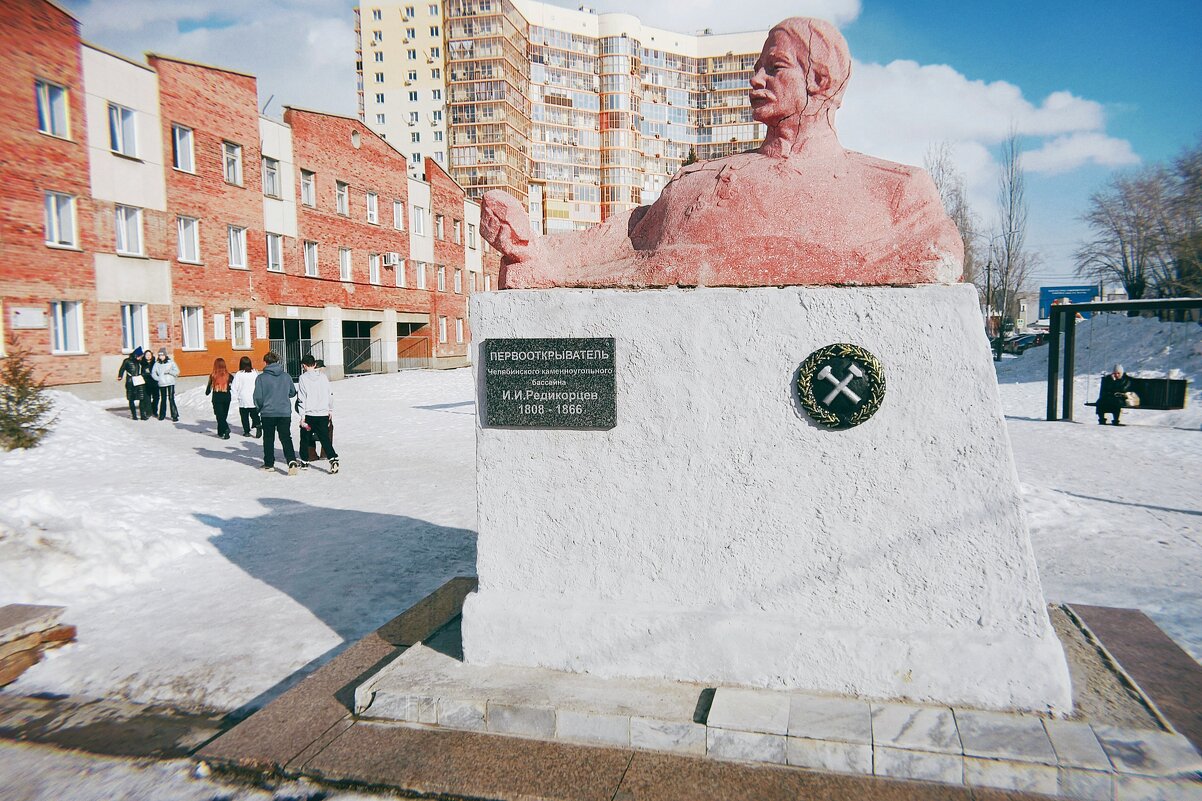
(1112, 398)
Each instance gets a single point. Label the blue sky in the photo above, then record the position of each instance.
(1092, 87)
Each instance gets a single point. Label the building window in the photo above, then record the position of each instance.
(471, 236)
(436, 73)
(135, 331)
(182, 155)
(379, 77)
(438, 118)
(232, 162)
(193, 327)
(344, 263)
(408, 12)
(271, 177)
(417, 220)
(413, 117)
(436, 94)
(415, 138)
(442, 278)
(488, 283)
(188, 230)
(52, 109)
(379, 97)
(400, 266)
(342, 198)
(129, 231)
(411, 33)
(373, 268)
(434, 31)
(308, 188)
(218, 326)
(442, 329)
(311, 259)
(437, 135)
(398, 215)
(66, 326)
(459, 329)
(413, 75)
(380, 121)
(411, 54)
(472, 281)
(240, 329)
(379, 56)
(373, 208)
(237, 237)
(439, 228)
(435, 52)
(413, 97)
(275, 253)
(458, 281)
(377, 14)
(457, 231)
(60, 219)
(377, 36)
(122, 131)
(415, 159)
(420, 269)
(434, 10)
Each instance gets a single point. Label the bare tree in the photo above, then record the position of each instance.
(1009, 264)
(950, 183)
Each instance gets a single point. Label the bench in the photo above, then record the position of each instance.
(1163, 394)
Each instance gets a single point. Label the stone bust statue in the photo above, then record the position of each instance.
(800, 210)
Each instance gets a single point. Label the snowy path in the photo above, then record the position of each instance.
(196, 579)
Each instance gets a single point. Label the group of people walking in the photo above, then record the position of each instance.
(149, 384)
(264, 402)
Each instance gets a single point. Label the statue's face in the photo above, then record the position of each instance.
(778, 88)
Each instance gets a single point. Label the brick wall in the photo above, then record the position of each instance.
(446, 198)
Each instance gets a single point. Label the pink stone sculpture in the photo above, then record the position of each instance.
(799, 210)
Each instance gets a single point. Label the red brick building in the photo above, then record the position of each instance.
(151, 205)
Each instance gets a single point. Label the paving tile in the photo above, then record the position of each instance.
(830, 756)
(462, 714)
(590, 728)
(403, 707)
(1027, 777)
(845, 720)
(1148, 753)
(1142, 788)
(1075, 745)
(996, 735)
(901, 763)
(923, 728)
(667, 777)
(745, 746)
(763, 711)
(438, 762)
(668, 735)
(528, 721)
(1085, 785)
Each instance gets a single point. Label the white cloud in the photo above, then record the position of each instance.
(1067, 153)
(723, 16)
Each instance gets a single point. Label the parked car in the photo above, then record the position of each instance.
(1020, 342)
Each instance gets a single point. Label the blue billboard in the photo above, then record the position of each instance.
(1049, 295)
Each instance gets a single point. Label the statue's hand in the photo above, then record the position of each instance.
(505, 225)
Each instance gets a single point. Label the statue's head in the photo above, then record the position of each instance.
(802, 70)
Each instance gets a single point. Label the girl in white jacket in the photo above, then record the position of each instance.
(242, 386)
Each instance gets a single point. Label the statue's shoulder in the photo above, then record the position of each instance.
(737, 161)
(884, 168)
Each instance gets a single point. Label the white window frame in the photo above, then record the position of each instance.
(471, 282)
(275, 253)
(344, 264)
(123, 130)
(219, 327)
(442, 277)
(183, 149)
(127, 220)
(240, 316)
(271, 177)
(342, 198)
(59, 221)
(311, 259)
(421, 274)
(308, 188)
(236, 236)
(458, 281)
(457, 231)
(373, 268)
(471, 236)
(398, 215)
(488, 283)
(373, 208)
(187, 230)
(442, 330)
(417, 220)
(231, 163)
(135, 327)
(66, 319)
(401, 268)
(377, 14)
(440, 227)
(192, 317)
(54, 109)
(459, 330)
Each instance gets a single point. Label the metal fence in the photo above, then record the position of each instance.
(361, 355)
(412, 353)
(291, 351)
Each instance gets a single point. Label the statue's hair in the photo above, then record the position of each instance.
(824, 45)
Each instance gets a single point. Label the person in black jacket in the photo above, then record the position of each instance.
(1112, 398)
(133, 371)
(151, 389)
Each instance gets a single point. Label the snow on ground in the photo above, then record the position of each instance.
(196, 579)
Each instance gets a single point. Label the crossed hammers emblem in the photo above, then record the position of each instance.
(841, 387)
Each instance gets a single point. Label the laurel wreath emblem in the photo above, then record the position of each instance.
(874, 374)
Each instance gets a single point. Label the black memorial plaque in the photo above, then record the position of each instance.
(549, 383)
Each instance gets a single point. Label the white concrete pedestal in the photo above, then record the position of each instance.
(717, 534)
